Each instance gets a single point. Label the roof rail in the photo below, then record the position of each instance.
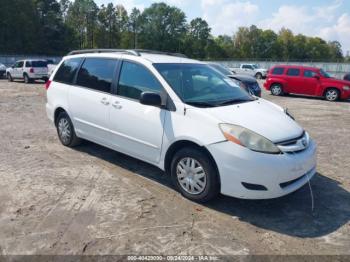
(89, 51)
(146, 51)
(135, 52)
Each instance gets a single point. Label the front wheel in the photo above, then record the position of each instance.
(332, 95)
(9, 77)
(65, 130)
(276, 90)
(194, 175)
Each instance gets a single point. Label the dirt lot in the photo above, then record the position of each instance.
(91, 200)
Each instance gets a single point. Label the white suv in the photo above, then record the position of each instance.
(184, 117)
(28, 70)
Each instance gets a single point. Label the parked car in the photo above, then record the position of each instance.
(347, 77)
(28, 70)
(184, 117)
(310, 81)
(250, 69)
(246, 82)
(2, 70)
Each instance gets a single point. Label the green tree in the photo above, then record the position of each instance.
(82, 18)
(162, 28)
(196, 39)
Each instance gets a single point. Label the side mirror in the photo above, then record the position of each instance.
(151, 99)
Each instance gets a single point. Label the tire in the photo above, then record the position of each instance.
(65, 131)
(26, 78)
(258, 76)
(9, 77)
(332, 94)
(276, 90)
(202, 186)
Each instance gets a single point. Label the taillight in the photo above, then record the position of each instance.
(47, 84)
(31, 70)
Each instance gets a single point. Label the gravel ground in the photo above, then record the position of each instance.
(91, 200)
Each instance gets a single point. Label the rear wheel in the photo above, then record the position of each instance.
(332, 94)
(65, 131)
(258, 76)
(9, 77)
(27, 80)
(194, 175)
(276, 90)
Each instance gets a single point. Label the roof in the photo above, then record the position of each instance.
(296, 66)
(149, 55)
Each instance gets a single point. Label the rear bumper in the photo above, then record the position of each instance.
(251, 175)
(50, 112)
(38, 76)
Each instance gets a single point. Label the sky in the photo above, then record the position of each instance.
(329, 20)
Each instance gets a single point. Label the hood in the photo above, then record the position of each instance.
(337, 81)
(261, 117)
(243, 78)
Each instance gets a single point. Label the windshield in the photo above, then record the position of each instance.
(201, 85)
(325, 74)
(222, 69)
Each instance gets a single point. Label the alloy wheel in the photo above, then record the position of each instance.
(64, 130)
(332, 95)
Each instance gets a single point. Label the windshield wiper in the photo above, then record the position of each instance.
(234, 101)
(200, 104)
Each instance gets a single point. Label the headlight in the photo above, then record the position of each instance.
(346, 88)
(249, 139)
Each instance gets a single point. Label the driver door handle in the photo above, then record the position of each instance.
(117, 105)
(105, 101)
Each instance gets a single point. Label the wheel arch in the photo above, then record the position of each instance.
(331, 87)
(58, 110)
(176, 146)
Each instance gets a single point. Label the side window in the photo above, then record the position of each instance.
(247, 67)
(293, 72)
(136, 79)
(278, 71)
(97, 74)
(28, 64)
(66, 72)
(19, 64)
(309, 74)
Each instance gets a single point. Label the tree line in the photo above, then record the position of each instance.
(54, 27)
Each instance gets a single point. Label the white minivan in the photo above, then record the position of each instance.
(184, 117)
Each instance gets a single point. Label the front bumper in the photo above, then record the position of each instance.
(345, 95)
(278, 174)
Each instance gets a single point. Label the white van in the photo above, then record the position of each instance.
(184, 117)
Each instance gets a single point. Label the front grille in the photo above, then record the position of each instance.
(295, 145)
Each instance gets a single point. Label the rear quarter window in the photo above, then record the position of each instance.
(277, 71)
(67, 71)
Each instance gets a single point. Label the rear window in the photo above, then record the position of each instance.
(38, 64)
(293, 72)
(97, 74)
(68, 69)
(277, 71)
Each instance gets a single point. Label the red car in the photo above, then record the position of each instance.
(286, 79)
